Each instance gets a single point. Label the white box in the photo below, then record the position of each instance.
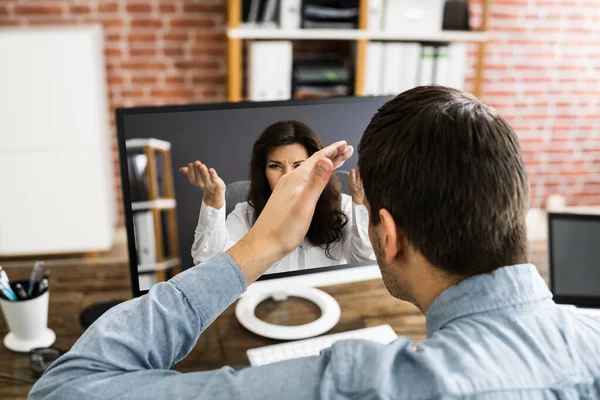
(143, 225)
(290, 14)
(375, 15)
(410, 71)
(426, 71)
(146, 281)
(443, 66)
(270, 70)
(458, 65)
(374, 69)
(414, 16)
(392, 69)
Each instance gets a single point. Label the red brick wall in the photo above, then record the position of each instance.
(542, 70)
(157, 51)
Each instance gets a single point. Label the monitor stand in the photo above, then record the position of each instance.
(330, 313)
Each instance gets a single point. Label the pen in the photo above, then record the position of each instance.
(21, 294)
(34, 276)
(6, 283)
(46, 277)
(5, 293)
(42, 286)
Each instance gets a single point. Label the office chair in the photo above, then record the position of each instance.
(237, 192)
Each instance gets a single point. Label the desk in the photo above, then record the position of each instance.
(74, 287)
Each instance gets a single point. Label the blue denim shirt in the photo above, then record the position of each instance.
(493, 336)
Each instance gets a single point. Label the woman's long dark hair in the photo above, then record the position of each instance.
(329, 220)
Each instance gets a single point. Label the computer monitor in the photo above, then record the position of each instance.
(574, 250)
(161, 206)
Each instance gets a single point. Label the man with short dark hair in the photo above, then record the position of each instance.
(446, 175)
(447, 193)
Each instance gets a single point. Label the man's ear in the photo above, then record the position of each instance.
(392, 241)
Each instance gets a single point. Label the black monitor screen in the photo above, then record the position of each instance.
(220, 136)
(574, 243)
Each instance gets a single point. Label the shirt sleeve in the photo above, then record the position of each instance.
(237, 224)
(129, 351)
(214, 234)
(356, 244)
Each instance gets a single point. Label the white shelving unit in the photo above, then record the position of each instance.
(160, 266)
(237, 33)
(352, 34)
(162, 204)
(156, 204)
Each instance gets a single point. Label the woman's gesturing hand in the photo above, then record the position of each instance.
(207, 180)
(356, 187)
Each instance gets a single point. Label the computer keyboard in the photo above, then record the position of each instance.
(311, 347)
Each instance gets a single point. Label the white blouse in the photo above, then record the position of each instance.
(214, 235)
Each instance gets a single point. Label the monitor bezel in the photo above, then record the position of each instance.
(579, 301)
(120, 113)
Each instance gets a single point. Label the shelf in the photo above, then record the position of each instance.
(442, 36)
(353, 34)
(160, 266)
(153, 143)
(153, 204)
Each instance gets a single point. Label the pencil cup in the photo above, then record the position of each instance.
(27, 322)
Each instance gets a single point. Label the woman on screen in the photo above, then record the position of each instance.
(338, 233)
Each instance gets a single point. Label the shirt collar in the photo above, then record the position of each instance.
(503, 287)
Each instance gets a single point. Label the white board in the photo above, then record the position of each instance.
(57, 186)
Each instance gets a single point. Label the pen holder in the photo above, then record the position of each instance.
(27, 322)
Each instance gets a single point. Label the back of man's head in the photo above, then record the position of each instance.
(449, 170)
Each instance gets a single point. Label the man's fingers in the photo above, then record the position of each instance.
(337, 152)
(315, 184)
(342, 156)
(352, 176)
(183, 170)
(334, 150)
(348, 151)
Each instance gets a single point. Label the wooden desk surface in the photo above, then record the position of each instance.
(73, 287)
